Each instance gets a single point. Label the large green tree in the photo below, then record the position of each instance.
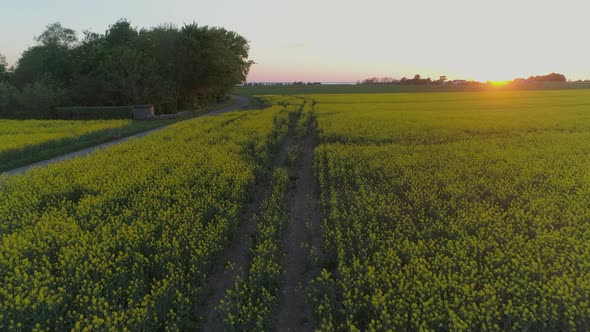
(213, 61)
(172, 68)
(50, 58)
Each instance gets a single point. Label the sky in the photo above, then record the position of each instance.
(346, 41)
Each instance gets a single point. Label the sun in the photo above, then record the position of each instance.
(499, 83)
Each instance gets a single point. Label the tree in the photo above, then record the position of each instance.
(40, 96)
(3, 68)
(41, 61)
(121, 33)
(372, 80)
(166, 66)
(553, 78)
(56, 35)
(163, 43)
(417, 80)
(88, 86)
(50, 58)
(214, 60)
(9, 99)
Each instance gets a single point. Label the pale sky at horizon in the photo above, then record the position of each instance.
(327, 40)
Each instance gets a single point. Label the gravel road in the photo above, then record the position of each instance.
(240, 102)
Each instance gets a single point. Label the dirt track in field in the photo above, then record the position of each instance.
(222, 277)
(241, 102)
(237, 253)
(296, 313)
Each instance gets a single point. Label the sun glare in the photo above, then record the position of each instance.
(499, 83)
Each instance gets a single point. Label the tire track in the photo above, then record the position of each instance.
(295, 313)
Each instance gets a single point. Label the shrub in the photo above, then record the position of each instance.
(9, 99)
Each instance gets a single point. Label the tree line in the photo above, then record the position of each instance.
(416, 80)
(419, 80)
(549, 78)
(172, 68)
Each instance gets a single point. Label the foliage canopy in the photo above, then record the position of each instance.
(170, 67)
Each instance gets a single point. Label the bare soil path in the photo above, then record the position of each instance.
(222, 278)
(240, 102)
(296, 314)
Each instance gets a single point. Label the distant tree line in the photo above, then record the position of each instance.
(418, 80)
(280, 83)
(172, 68)
(304, 83)
(549, 78)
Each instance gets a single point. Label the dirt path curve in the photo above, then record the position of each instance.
(295, 314)
(241, 102)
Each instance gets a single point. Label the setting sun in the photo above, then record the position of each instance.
(499, 83)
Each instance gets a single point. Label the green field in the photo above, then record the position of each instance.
(23, 142)
(455, 211)
(125, 238)
(392, 88)
(425, 211)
